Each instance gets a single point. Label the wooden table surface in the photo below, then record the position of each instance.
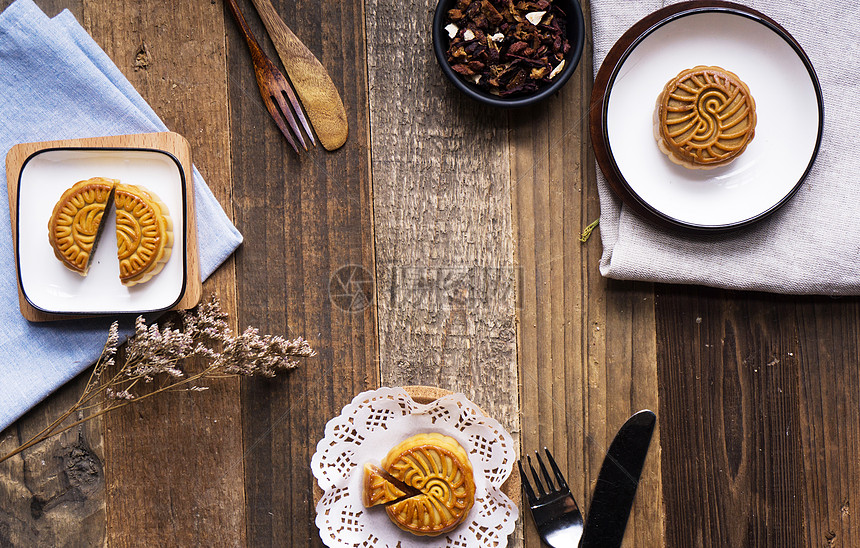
(464, 224)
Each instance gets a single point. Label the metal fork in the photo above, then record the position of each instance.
(274, 88)
(556, 515)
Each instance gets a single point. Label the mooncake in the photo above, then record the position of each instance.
(705, 118)
(438, 468)
(144, 233)
(379, 489)
(76, 222)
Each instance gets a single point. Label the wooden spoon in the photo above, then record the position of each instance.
(311, 80)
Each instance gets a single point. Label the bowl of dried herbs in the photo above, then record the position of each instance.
(508, 53)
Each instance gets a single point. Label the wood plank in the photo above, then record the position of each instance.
(587, 352)
(769, 456)
(445, 256)
(304, 218)
(631, 384)
(175, 462)
(51, 7)
(43, 498)
(54, 493)
(442, 201)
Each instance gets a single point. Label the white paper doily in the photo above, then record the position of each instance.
(378, 420)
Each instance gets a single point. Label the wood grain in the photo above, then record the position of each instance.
(304, 219)
(587, 349)
(174, 463)
(53, 493)
(445, 252)
(760, 433)
(67, 498)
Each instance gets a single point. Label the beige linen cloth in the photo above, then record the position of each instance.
(812, 244)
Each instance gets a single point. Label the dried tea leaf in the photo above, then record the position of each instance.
(505, 47)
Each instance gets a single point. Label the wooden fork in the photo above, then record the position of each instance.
(277, 93)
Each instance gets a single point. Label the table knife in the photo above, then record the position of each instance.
(617, 482)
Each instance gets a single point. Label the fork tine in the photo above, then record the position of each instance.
(536, 477)
(526, 485)
(559, 477)
(290, 105)
(549, 485)
(278, 98)
(297, 106)
(279, 121)
(557, 517)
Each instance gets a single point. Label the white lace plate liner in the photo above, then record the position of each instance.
(368, 428)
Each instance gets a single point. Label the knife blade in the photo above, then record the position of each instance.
(616, 484)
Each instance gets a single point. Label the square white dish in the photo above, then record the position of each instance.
(50, 287)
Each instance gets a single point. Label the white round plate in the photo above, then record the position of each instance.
(787, 135)
(51, 287)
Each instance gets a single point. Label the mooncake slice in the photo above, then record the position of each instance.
(144, 233)
(76, 222)
(378, 489)
(705, 118)
(439, 469)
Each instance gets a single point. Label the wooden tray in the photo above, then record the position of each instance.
(172, 143)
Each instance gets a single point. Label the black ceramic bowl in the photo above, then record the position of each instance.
(575, 34)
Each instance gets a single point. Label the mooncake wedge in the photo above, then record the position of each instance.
(76, 222)
(380, 487)
(144, 233)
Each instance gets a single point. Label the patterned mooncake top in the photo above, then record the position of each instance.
(438, 468)
(76, 221)
(144, 233)
(705, 117)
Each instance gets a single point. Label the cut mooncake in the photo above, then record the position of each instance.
(705, 118)
(144, 233)
(438, 468)
(76, 222)
(380, 487)
(144, 230)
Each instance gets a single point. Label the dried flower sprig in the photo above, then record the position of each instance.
(154, 358)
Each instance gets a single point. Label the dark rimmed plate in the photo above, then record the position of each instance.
(781, 79)
(50, 287)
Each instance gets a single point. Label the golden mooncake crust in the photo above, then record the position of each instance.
(144, 233)
(705, 118)
(377, 489)
(439, 468)
(76, 222)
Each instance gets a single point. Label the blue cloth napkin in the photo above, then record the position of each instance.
(56, 83)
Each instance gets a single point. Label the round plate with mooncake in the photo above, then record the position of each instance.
(706, 116)
(415, 467)
(101, 230)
